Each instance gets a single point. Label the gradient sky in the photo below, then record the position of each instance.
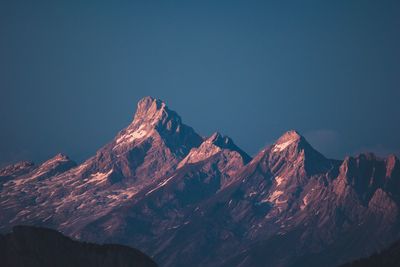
(71, 72)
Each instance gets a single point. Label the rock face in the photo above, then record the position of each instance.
(149, 149)
(30, 246)
(192, 201)
(290, 206)
(164, 207)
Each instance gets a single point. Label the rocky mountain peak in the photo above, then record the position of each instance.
(360, 160)
(294, 149)
(225, 142)
(154, 112)
(292, 135)
(215, 137)
(219, 140)
(149, 108)
(154, 119)
(286, 140)
(211, 146)
(366, 172)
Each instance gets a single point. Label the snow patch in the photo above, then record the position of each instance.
(279, 180)
(99, 177)
(205, 151)
(275, 195)
(131, 136)
(274, 198)
(252, 193)
(122, 194)
(79, 169)
(282, 146)
(160, 185)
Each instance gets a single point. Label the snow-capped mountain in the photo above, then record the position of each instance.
(167, 205)
(290, 206)
(193, 201)
(146, 151)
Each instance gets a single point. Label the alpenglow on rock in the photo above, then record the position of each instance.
(186, 200)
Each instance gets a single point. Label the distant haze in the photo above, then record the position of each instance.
(71, 72)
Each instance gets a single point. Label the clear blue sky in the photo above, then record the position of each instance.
(71, 72)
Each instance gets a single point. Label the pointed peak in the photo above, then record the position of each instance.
(214, 137)
(225, 142)
(287, 139)
(155, 113)
(219, 140)
(146, 102)
(211, 146)
(291, 135)
(148, 107)
(293, 147)
(154, 119)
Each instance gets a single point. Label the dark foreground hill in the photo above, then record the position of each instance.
(40, 247)
(389, 257)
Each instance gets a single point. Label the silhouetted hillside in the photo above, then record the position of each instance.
(40, 247)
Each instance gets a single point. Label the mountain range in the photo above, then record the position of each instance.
(188, 200)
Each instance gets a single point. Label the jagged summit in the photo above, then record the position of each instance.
(226, 142)
(290, 135)
(192, 201)
(294, 148)
(219, 140)
(293, 141)
(152, 112)
(153, 119)
(211, 146)
(150, 109)
(287, 139)
(215, 137)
